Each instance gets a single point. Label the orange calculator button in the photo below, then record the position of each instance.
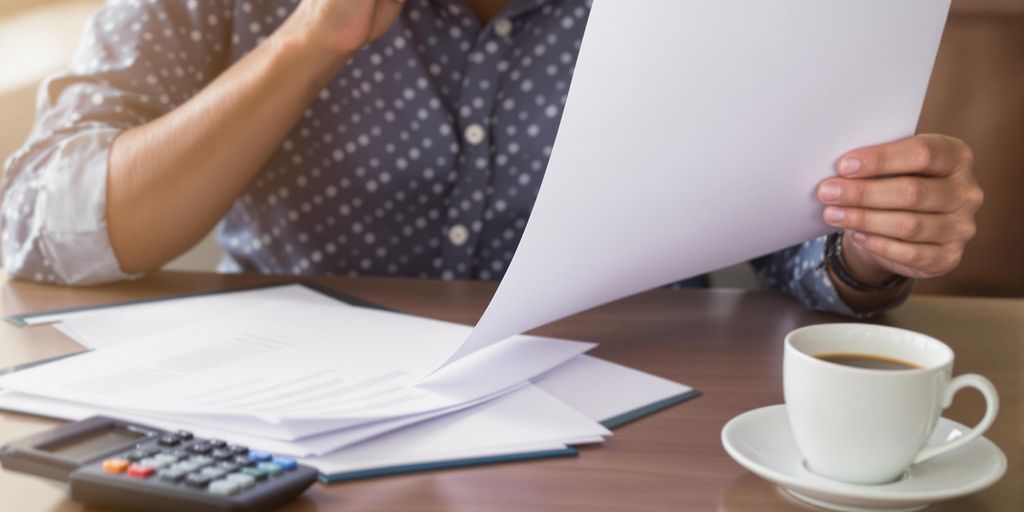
(115, 465)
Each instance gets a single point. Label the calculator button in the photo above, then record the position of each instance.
(184, 435)
(176, 453)
(170, 440)
(285, 463)
(228, 466)
(257, 473)
(172, 474)
(140, 471)
(197, 480)
(221, 454)
(245, 481)
(217, 443)
(270, 467)
(224, 487)
(115, 465)
(135, 455)
(201, 460)
(238, 449)
(243, 460)
(259, 456)
(187, 466)
(154, 463)
(200, 448)
(212, 472)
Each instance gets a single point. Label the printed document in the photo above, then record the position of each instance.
(694, 137)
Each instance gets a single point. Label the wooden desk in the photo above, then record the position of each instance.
(726, 343)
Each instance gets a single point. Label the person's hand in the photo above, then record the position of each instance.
(342, 27)
(907, 207)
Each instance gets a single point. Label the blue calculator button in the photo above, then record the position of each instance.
(285, 463)
(259, 456)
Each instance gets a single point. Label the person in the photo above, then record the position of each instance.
(382, 137)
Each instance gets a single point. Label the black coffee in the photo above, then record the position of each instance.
(869, 361)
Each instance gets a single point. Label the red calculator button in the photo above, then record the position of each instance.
(115, 465)
(138, 471)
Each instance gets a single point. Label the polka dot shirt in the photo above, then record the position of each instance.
(423, 157)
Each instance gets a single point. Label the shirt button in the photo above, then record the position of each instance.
(502, 27)
(458, 235)
(475, 134)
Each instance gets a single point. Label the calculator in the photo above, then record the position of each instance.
(134, 467)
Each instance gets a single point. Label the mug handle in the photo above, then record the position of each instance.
(988, 390)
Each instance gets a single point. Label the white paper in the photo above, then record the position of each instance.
(529, 416)
(598, 390)
(288, 370)
(694, 136)
(306, 447)
(106, 327)
(602, 390)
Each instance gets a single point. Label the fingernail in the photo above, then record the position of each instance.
(850, 166)
(834, 215)
(829, 191)
(860, 237)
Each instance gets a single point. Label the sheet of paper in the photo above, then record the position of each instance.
(106, 327)
(306, 447)
(528, 416)
(288, 370)
(602, 390)
(694, 136)
(597, 389)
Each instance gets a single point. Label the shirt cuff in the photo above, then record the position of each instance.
(820, 292)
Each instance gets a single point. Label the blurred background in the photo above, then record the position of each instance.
(976, 93)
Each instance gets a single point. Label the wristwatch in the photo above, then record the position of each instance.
(835, 262)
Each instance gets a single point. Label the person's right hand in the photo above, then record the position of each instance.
(342, 27)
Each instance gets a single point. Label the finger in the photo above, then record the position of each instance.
(931, 155)
(910, 227)
(927, 260)
(899, 268)
(929, 195)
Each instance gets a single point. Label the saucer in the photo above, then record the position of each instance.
(760, 440)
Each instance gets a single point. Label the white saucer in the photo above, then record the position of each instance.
(760, 440)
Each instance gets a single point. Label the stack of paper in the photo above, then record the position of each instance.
(350, 390)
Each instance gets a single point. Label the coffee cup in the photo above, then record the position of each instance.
(863, 399)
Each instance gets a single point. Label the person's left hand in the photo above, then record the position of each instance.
(907, 207)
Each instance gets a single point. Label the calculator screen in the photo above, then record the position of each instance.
(93, 443)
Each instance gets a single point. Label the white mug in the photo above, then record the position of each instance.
(868, 426)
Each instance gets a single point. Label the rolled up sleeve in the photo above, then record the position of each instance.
(136, 62)
(54, 226)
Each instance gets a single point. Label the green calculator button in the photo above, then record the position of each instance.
(257, 473)
(271, 468)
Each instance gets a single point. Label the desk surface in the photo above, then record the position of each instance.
(727, 343)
